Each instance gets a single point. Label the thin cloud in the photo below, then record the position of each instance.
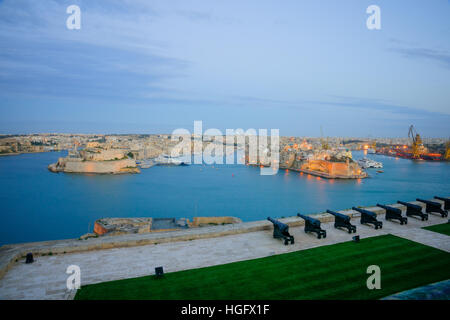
(439, 56)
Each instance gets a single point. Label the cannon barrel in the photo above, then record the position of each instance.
(302, 216)
(337, 214)
(370, 213)
(308, 218)
(274, 221)
(271, 219)
(282, 226)
(410, 205)
(389, 208)
(431, 203)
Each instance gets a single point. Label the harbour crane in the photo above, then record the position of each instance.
(417, 146)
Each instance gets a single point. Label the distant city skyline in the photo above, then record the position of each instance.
(155, 66)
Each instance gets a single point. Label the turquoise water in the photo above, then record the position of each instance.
(39, 205)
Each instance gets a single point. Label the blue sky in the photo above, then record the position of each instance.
(143, 66)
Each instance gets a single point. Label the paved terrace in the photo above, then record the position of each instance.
(112, 258)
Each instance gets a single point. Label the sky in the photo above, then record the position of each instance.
(144, 66)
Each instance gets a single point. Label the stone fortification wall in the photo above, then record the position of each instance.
(98, 166)
(104, 155)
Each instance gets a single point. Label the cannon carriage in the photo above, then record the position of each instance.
(414, 210)
(432, 206)
(313, 225)
(393, 214)
(342, 221)
(281, 231)
(369, 217)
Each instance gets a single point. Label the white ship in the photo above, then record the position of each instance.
(367, 163)
(169, 161)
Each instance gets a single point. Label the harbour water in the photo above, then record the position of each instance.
(38, 205)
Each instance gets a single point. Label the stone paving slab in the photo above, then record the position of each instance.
(46, 278)
(427, 237)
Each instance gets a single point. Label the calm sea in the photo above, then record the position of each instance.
(39, 205)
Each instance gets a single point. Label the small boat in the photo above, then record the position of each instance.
(380, 171)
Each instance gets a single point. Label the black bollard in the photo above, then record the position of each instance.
(159, 272)
(29, 258)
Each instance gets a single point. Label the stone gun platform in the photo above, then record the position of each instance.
(121, 257)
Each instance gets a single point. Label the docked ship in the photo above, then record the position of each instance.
(170, 161)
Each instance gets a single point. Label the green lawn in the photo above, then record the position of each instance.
(441, 228)
(328, 272)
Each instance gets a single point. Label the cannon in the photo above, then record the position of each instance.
(281, 231)
(432, 206)
(313, 225)
(342, 221)
(414, 210)
(446, 202)
(369, 217)
(393, 214)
